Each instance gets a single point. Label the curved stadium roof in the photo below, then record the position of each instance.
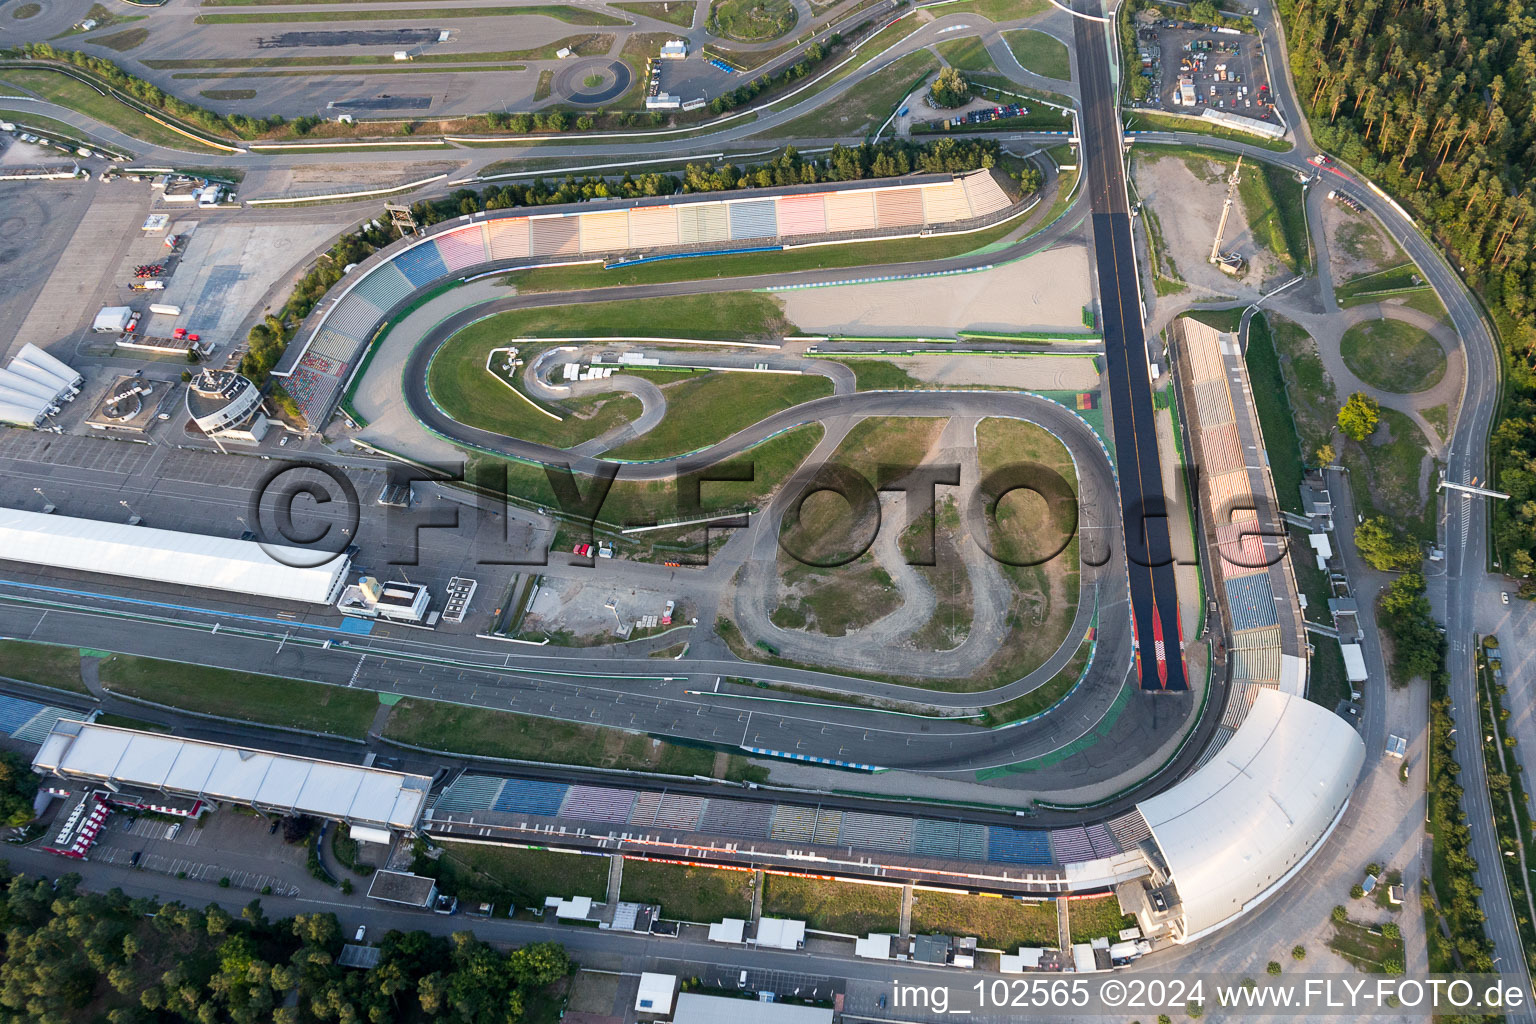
(1252, 816)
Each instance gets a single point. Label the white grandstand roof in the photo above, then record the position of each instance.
(217, 771)
(1243, 823)
(165, 556)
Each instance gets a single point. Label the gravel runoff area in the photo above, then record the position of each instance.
(1027, 373)
(1048, 289)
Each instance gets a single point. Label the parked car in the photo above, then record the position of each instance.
(362, 930)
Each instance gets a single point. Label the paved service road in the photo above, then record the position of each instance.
(1154, 595)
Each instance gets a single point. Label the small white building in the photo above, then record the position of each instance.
(674, 49)
(873, 947)
(112, 320)
(400, 602)
(1354, 663)
(577, 908)
(656, 992)
(731, 930)
(779, 933)
(663, 101)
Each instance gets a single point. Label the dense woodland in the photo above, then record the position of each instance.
(1436, 101)
(77, 957)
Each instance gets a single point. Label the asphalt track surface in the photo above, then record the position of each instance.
(1154, 593)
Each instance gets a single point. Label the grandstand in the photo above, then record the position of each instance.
(489, 798)
(340, 327)
(1265, 644)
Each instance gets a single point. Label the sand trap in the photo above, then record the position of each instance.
(1048, 289)
(1027, 373)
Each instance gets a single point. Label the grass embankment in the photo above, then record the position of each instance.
(272, 700)
(123, 41)
(751, 21)
(1043, 54)
(472, 730)
(1401, 283)
(1276, 421)
(560, 12)
(679, 12)
(865, 107)
(56, 87)
(1389, 463)
(995, 10)
(698, 894)
(849, 908)
(1045, 695)
(1277, 213)
(1377, 949)
(30, 119)
(1142, 121)
(834, 599)
(1506, 796)
(43, 664)
(997, 921)
(510, 876)
(967, 54)
(1393, 356)
(1327, 685)
(1096, 917)
(704, 410)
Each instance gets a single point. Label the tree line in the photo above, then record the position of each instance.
(887, 159)
(1435, 102)
(72, 955)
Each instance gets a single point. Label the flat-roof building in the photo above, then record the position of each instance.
(693, 1008)
(275, 783)
(167, 556)
(404, 888)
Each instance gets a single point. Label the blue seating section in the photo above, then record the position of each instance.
(754, 219)
(15, 713)
(41, 724)
(1252, 601)
(422, 265)
(787, 823)
(384, 286)
(470, 793)
(526, 796)
(1018, 846)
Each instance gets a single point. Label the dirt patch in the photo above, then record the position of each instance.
(1186, 192)
(1356, 244)
(1046, 290)
(1027, 373)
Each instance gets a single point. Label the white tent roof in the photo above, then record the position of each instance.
(24, 411)
(215, 771)
(165, 556)
(1354, 663)
(729, 930)
(1240, 825)
(112, 318)
(780, 933)
(873, 947)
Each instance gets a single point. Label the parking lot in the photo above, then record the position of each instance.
(1224, 69)
(239, 847)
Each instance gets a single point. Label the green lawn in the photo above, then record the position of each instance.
(511, 876)
(1326, 683)
(76, 95)
(1402, 276)
(1143, 121)
(1276, 421)
(751, 21)
(967, 54)
(1043, 696)
(997, 921)
(1043, 54)
(1366, 947)
(1393, 355)
(1284, 224)
(560, 12)
(698, 894)
(707, 409)
(459, 383)
(1095, 918)
(470, 730)
(881, 375)
(122, 41)
(245, 695)
(849, 908)
(1309, 388)
(865, 107)
(1313, 581)
(995, 10)
(678, 12)
(1390, 469)
(43, 664)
